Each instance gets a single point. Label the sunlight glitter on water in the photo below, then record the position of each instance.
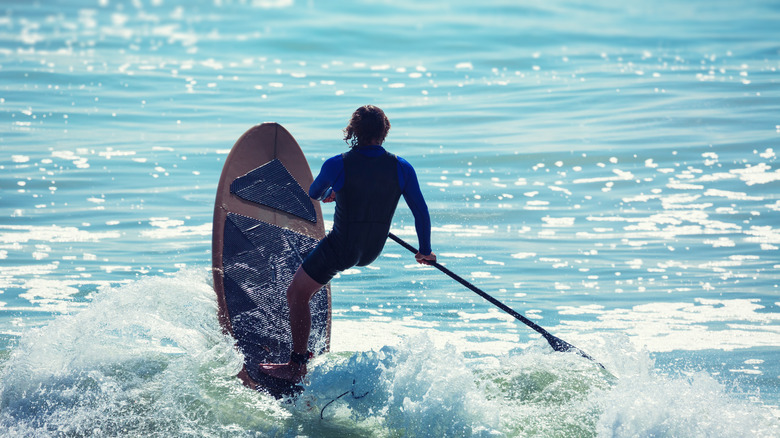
(610, 170)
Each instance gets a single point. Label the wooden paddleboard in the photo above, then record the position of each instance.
(264, 225)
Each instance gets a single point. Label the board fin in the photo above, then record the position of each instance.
(272, 185)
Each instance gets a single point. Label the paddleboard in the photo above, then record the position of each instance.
(264, 225)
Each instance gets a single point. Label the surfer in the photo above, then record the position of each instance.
(366, 183)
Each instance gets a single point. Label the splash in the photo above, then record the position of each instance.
(413, 389)
(419, 389)
(149, 357)
(146, 358)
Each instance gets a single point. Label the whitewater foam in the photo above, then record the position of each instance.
(150, 357)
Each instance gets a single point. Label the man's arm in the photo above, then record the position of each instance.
(331, 172)
(414, 199)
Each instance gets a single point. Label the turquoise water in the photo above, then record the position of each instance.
(609, 170)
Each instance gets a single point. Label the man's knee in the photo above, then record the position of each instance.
(302, 287)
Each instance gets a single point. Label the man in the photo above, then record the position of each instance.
(366, 184)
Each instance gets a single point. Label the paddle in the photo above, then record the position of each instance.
(556, 343)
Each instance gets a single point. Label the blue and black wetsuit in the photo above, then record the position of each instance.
(368, 182)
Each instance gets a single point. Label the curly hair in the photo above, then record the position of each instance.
(368, 125)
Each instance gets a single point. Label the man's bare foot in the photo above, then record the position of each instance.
(291, 371)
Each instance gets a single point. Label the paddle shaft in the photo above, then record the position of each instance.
(556, 343)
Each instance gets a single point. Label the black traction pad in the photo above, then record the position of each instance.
(272, 185)
(259, 261)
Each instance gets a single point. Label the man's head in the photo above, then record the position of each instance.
(368, 126)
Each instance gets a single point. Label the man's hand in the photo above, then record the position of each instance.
(425, 259)
(328, 196)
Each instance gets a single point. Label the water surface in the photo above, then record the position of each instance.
(607, 170)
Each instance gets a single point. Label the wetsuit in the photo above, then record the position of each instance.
(368, 182)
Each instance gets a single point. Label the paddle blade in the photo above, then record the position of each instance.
(562, 346)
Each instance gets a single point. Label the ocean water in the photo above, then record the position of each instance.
(607, 169)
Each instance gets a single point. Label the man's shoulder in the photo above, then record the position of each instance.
(333, 165)
(403, 163)
(334, 160)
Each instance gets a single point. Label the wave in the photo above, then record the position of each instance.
(149, 358)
